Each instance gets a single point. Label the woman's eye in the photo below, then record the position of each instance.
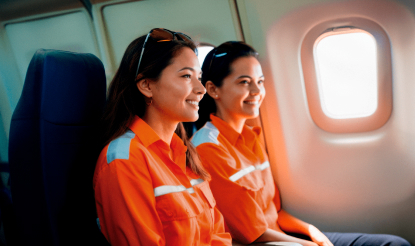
(186, 76)
(260, 82)
(244, 82)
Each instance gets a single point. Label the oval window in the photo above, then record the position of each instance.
(347, 75)
(346, 69)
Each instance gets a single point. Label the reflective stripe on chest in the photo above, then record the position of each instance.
(167, 189)
(248, 170)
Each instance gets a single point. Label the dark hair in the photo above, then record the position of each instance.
(217, 70)
(125, 100)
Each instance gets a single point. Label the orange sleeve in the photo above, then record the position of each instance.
(277, 198)
(286, 221)
(289, 223)
(220, 237)
(126, 204)
(242, 214)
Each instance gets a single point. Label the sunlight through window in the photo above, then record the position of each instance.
(346, 66)
(202, 52)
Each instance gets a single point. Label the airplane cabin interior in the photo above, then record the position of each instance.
(340, 133)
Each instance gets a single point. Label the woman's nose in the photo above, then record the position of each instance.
(199, 88)
(255, 90)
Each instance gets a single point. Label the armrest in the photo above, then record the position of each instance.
(267, 244)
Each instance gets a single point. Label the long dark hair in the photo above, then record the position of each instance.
(223, 56)
(125, 100)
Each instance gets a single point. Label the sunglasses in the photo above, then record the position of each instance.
(227, 48)
(162, 35)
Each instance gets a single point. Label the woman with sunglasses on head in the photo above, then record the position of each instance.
(231, 152)
(150, 187)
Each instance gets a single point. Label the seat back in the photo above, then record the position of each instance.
(53, 149)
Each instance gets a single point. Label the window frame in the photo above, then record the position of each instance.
(384, 76)
(203, 44)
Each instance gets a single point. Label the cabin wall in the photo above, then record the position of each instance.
(337, 181)
(10, 89)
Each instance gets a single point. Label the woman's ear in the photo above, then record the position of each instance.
(144, 87)
(212, 90)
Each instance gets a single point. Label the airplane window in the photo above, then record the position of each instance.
(347, 75)
(202, 52)
(346, 69)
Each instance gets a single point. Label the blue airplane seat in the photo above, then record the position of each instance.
(53, 149)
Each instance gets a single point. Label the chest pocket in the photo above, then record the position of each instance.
(210, 202)
(255, 185)
(177, 206)
(207, 193)
(251, 180)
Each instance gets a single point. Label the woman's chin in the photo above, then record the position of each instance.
(191, 118)
(251, 114)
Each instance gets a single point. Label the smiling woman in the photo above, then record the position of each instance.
(150, 188)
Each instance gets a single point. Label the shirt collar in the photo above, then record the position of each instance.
(148, 136)
(248, 133)
(177, 144)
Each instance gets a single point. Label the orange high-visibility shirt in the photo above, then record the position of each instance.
(145, 194)
(242, 183)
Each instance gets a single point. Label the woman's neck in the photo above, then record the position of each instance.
(236, 123)
(163, 127)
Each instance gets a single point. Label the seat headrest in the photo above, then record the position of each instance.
(56, 88)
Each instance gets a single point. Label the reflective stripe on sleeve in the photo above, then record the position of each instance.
(263, 166)
(248, 170)
(167, 189)
(194, 182)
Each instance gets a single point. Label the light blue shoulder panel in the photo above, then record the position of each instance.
(119, 148)
(207, 134)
